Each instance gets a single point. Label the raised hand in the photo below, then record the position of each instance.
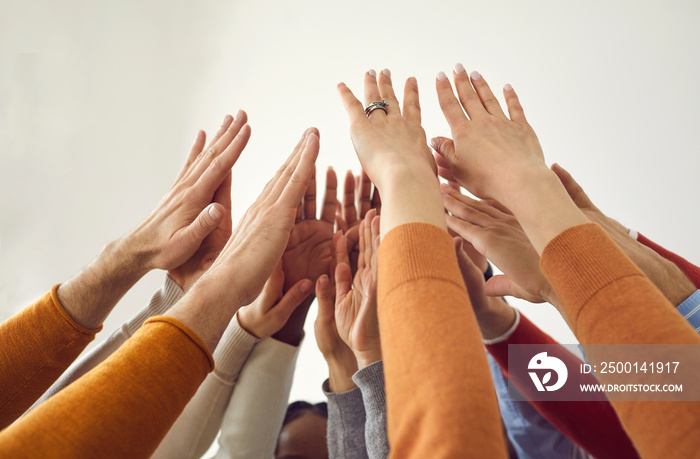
(356, 298)
(499, 237)
(254, 249)
(341, 361)
(194, 210)
(393, 151)
(358, 199)
(271, 309)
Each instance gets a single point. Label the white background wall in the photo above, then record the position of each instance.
(100, 101)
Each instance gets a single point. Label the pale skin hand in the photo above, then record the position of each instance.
(253, 250)
(393, 151)
(271, 309)
(356, 298)
(493, 314)
(497, 157)
(169, 236)
(308, 252)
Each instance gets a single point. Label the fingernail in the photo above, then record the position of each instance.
(475, 75)
(227, 120)
(239, 113)
(372, 73)
(508, 87)
(413, 80)
(323, 280)
(441, 76)
(435, 143)
(305, 286)
(341, 85)
(387, 72)
(459, 68)
(214, 212)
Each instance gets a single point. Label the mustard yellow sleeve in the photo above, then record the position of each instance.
(36, 346)
(607, 299)
(124, 406)
(440, 399)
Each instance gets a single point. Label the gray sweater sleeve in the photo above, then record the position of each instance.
(346, 424)
(370, 381)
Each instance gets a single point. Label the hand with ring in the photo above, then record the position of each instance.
(393, 151)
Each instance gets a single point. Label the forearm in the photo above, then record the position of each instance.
(161, 301)
(38, 344)
(197, 426)
(370, 381)
(255, 412)
(91, 295)
(122, 408)
(346, 423)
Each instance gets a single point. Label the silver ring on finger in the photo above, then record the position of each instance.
(377, 105)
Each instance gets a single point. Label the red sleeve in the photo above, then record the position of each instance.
(690, 270)
(593, 425)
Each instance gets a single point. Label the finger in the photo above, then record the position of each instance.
(349, 211)
(411, 102)
(222, 195)
(353, 107)
(196, 149)
(281, 180)
(300, 177)
(486, 96)
(221, 166)
(475, 204)
(374, 227)
(326, 299)
(467, 95)
(450, 106)
(445, 149)
(295, 153)
(386, 90)
(292, 299)
(334, 255)
(376, 200)
(362, 261)
(365, 191)
(343, 281)
(500, 285)
(465, 212)
(217, 147)
(515, 110)
(330, 197)
(366, 235)
(310, 198)
(572, 187)
(206, 222)
(372, 93)
(497, 205)
(341, 250)
(228, 119)
(468, 231)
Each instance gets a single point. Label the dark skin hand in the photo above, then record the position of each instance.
(308, 253)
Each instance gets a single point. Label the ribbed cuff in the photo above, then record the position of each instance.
(348, 405)
(161, 301)
(581, 261)
(370, 381)
(187, 331)
(418, 251)
(62, 311)
(232, 351)
(507, 333)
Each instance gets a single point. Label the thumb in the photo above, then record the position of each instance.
(575, 191)
(445, 148)
(326, 299)
(206, 222)
(500, 285)
(291, 300)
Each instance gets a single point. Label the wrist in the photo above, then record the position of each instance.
(340, 376)
(496, 319)
(365, 358)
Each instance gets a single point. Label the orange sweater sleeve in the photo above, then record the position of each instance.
(124, 406)
(440, 399)
(37, 345)
(607, 299)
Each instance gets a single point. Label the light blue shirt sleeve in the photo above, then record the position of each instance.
(532, 436)
(690, 310)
